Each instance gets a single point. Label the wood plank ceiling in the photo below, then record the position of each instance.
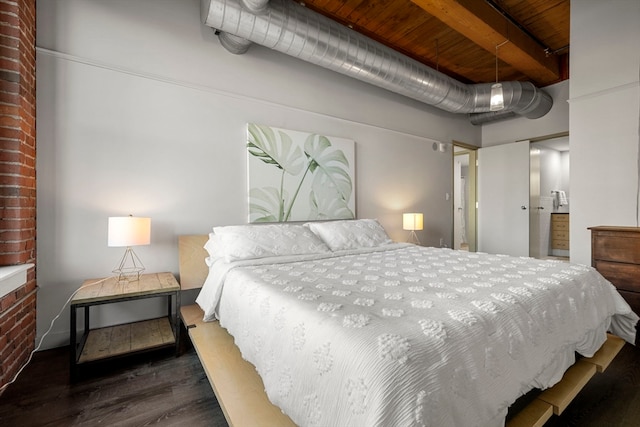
(460, 38)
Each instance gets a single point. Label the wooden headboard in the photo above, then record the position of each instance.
(191, 255)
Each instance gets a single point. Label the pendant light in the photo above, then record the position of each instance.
(497, 96)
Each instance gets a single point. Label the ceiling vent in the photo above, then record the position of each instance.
(292, 29)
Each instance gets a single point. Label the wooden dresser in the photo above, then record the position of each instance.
(615, 253)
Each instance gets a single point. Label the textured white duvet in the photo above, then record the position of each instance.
(410, 336)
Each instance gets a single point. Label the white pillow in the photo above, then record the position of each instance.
(212, 246)
(350, 234)
(239, 242)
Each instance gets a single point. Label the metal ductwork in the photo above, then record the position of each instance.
(292, 29)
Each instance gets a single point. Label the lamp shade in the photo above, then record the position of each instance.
(129, 231)
(497, 97)
(412, 221)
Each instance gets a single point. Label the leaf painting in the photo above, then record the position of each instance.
(297, 176)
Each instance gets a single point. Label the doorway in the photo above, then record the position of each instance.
(550, 195)
(523, 187)
(464, 197)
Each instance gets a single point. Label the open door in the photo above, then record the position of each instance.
(503, 199)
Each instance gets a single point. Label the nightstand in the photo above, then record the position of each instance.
(124, 339)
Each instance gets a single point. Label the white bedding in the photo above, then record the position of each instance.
(405, 335)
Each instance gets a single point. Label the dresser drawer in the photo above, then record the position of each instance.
(613, 246)
(623, 276)
(558, 218)
(560, 244)
(560, 226)
(560, 235)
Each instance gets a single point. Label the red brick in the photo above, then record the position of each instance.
(10, 30)
(21, 293)
(9, 7)
(7, 302)
(6, 133)
(9, 64)
(10, 144)
(16, 212)
(30, 161)
(9, 87)
(8, 323)
(11, 259)
(10, 17)
(11, 235)
(25, 319)
(14, 247)
(17, 145)
(10, 122)
(27, 119)
(7, 168)
(9, 180)
(10, 52)
(11, 110)
(19, 202)
(13, 156)
(8, 41)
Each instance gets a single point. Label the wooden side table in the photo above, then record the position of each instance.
(129, 338)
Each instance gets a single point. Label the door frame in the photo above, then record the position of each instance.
(460, 148)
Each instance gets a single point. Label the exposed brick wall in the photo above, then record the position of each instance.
(17, 178)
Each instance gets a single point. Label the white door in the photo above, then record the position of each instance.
(503, 199)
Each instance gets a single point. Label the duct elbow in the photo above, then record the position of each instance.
(525, 99)
(234, 44)
(255, 6)
(540, 106)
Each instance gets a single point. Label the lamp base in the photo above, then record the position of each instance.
(130, 267)
(413, 238)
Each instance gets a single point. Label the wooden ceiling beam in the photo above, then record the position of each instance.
(486, 27)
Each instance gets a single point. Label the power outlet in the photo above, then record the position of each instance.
(441, 242)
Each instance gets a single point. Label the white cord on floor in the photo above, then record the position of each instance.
(3, 388)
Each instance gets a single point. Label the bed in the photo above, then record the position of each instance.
(335, 324)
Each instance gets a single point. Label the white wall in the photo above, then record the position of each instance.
(604, 118)
(141, 111)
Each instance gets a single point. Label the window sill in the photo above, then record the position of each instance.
(12, 277)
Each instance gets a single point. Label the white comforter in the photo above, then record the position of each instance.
(411, 336)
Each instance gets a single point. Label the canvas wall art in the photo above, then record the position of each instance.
(299, 176)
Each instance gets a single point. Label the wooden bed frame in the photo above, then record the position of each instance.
(240, 391)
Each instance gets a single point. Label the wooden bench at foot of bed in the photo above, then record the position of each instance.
(241, 394)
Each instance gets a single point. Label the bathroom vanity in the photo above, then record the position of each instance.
(560, 234)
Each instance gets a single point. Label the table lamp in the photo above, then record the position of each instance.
(413, 222)
(129, 231)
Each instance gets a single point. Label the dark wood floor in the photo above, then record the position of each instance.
(155, 389)
(610, 399)
(162, 390)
